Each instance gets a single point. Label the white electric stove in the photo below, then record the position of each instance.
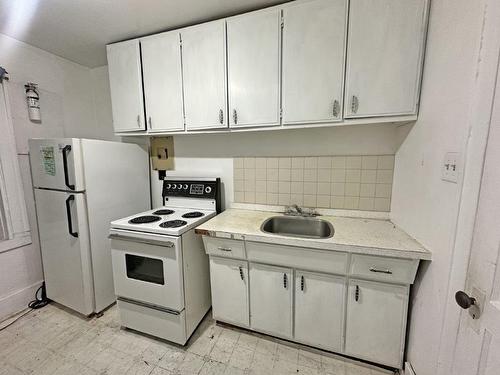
(160, 269)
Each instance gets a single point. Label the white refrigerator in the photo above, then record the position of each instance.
(80, 186)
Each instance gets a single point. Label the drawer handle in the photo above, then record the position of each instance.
(224, 248)
(302, 283)
(241, 272)
(285, 280)
(356, 294)
(388, 272)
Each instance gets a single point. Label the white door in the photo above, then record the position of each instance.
(57, 164)
(204, 75)
(62, 224)
(384, 53)
(161, 68)
(319, 309)
(477, 350)
(125, 81)
(376, 321)
(313, 61)
(229, 283)
(253, 53)
(271, 299)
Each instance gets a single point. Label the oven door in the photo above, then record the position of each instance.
(148, 271)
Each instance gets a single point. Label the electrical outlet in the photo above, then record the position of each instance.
(451, 167)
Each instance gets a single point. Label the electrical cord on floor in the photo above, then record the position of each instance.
(38, 303)
(15, 320)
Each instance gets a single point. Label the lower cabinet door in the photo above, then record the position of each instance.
(319, 309)
(376, 321)
(271, 299)
(229, 283)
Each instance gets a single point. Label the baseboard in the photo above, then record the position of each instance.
(17, 301)
(409, 369)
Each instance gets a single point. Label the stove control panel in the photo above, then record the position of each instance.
(192, 189)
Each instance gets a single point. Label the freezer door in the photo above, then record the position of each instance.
(57, 164)
(62, 223)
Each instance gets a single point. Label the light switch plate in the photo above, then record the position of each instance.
(451, 167)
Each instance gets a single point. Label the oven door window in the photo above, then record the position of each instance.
(144, 269)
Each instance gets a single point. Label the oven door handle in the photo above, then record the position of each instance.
(114, 236)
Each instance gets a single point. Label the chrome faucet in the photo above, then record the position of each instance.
(295, 210)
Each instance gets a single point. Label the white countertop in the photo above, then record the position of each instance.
(354, 235)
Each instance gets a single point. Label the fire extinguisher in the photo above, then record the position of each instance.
(33, 100)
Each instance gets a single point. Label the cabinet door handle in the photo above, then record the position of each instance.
(285, 280)
(235, 116)
(302, 283)
(150, 122)
(139, 120)
(221, 116)
(336, 108)
(354, 104)
(224, 248)
(356, 293)
(241, 272)
(376, 270)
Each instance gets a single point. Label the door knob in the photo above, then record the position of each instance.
(463, 300)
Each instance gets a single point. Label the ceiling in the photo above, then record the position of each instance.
(78, 30)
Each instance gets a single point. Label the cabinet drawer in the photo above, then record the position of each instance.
(298, 257)
(395, 270)
(224, 248)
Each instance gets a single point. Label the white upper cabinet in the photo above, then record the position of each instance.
(204, 74)
(313, 61)
(384, 54)
(161, 67)
(253, 42)
(125, 80)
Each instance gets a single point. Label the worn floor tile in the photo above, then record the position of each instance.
(55, 341)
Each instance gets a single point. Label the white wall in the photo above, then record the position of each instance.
(68, 93)
(422, 204)
(212, 154)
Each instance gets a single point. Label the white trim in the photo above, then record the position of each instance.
(19, 240)
(18, 300)
(11, 187)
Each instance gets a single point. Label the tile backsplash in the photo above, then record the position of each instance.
(342, 182)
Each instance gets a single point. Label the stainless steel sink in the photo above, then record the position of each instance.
(296, 226)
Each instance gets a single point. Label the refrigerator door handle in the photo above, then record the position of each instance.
(68, 214)
(65, 151)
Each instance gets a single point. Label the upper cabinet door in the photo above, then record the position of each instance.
(204, 73)
(125, 80)
(313, 61)
(384, 56)
(253, 42)
(161, 67)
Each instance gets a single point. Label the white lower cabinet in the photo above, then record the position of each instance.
(376, 321)
(354, 304)
(229, 283)
(271, 299)
(319, 309)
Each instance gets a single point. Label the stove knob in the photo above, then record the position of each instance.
(168, 186)
(185, 186)
(208, 190)
(179, 186)
(174, 186)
